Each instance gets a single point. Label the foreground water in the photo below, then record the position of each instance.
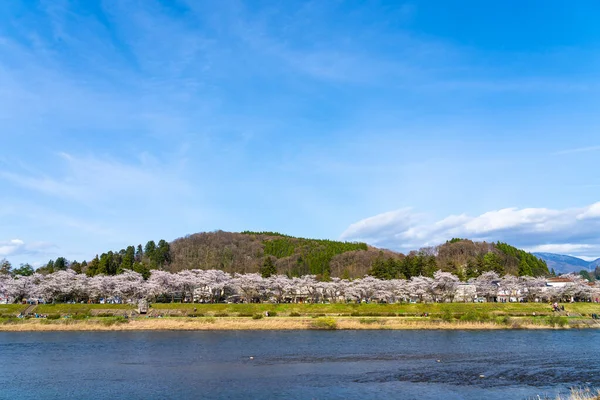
(298, 364)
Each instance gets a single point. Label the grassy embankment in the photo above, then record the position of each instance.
(299, 316)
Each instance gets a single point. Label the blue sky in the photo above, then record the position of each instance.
(402, 124)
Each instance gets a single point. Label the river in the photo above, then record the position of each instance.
(487, 365)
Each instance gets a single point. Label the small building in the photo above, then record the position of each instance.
(143, 306)
(558, 282)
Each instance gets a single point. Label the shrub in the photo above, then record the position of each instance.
(257, 316)
(447, 316)
(474, 316)
(245, 314)
(324, 324)
(79, 316)
(555, 320)
(294, 314)
(221, 314)
(368, 321)
(194, 315)
(114, 320)
(104, 315)
(272, 313)
(53, 316)
(355, 314)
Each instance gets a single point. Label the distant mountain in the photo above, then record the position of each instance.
(565, 264)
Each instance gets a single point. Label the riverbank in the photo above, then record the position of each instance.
(281, 323)
(186, 316)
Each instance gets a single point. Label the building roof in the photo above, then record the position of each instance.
(560, 280)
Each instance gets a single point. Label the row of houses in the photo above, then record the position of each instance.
(468, 292)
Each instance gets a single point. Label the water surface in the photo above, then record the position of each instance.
(298, 364)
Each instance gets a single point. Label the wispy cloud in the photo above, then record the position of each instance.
(91, 180)
(578, 150)
(18, 248)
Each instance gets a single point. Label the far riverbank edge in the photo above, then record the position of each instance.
(282, 323)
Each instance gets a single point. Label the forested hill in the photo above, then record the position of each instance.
(249, 251)
(274, 253)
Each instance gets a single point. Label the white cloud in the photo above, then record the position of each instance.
(17, 247)
(9, 247)
(573, 230)
(590, 212)
(386, 224)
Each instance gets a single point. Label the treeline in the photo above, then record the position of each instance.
(591, 276)
(271, 253)
(139, 259)
(463, 258)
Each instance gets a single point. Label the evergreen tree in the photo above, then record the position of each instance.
(128, 259)
(384, 269)
(471, 271)
(150, 249)
(162, 253)
(24, 270)
(141, 268)
(93, 266)
(493, 262)
(77, 267)
(524, 268)
(586, 275)
(104, 264)
(5, 267)
(60, 264)
(268, 268)
(139, 253)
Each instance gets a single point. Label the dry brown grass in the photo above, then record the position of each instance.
(582, 394)
(240, 323)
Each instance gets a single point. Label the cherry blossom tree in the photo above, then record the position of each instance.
(129, 285)
(278, 284)
(217, 285)
(20, 287)
(420, 287)
(444, 285)
(486, 285)
(250, 286)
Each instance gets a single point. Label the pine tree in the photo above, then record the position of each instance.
(128, 259)
(5, 267)
(268, 268)
(524, 268)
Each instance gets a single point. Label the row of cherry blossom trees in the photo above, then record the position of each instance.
(218, 286)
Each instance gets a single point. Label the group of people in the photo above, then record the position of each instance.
(557, 307)
(36, 315)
